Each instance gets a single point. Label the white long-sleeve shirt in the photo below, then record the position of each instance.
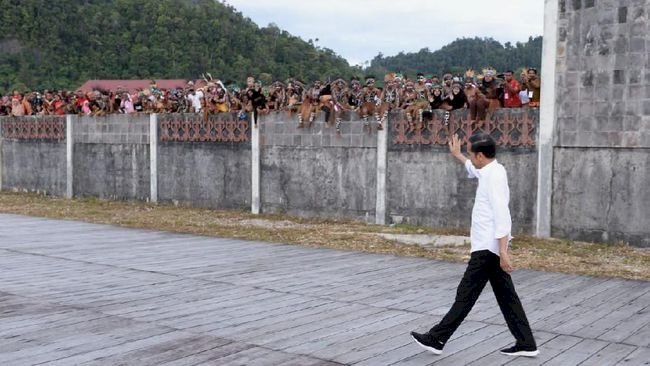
(490, 215)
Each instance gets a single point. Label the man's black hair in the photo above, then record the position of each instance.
(483, 143)
(508, 72)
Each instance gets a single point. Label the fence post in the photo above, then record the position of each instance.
(546, 122)
(69, 150)
(255, 168)
(153, 158)
(382, 156)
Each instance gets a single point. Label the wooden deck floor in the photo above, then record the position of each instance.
(80, 294)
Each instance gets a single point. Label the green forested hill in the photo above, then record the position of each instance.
(62, 43)
(461, 54)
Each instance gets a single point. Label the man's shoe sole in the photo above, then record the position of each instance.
(430, 349)
(523, 353)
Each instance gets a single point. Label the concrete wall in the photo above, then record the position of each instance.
(603, 125)
(427, 186)
(213, 175)
(431, 188)
(603, 74)
(111, 157)
(314, 171)
(115, 171)
(34, 166)
(602, 195)
(599, 193)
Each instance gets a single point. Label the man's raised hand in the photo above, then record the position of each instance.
(454, 148)
(454, 145)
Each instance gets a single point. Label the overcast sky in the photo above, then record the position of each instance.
(359, 29)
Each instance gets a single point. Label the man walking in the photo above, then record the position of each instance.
(489, 261)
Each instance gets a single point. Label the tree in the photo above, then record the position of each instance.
(461, 54)
(61, 43)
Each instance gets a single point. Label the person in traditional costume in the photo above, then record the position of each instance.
(370, 99)
(422, 98)
(472, 92)
(338, 92)
(325, 100)
(408, 100)
(293, 95)
(389, 99)
(221, 97)
(310, 105)
(257, 101)
(486, 97)
(277, 96)
(354, 95)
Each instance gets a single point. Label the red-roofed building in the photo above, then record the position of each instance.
(130, 85)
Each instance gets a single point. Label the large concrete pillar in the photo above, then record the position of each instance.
(547, 116)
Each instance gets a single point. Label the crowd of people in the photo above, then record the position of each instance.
(418, 97)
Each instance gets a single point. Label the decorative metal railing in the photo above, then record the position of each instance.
(195, 127)
(34, 128)
(515, 128)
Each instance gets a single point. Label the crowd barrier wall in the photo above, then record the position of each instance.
(401, 174)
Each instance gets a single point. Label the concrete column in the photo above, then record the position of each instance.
(382, 156)
(255, 169)
(69, 149)
(153, 158)
(547, 116)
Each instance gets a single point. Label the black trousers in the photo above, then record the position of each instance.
(484, 266)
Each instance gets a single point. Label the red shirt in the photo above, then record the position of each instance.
(80, 102)
(511, 96)
(58, 107)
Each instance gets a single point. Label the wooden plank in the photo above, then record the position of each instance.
(578, 353)
(550, 350)
(392, 356)
(326, 326)
(348, 333)
(83, 293)
(331, 347)
(162, 352)
(640, 338)
(610, 355)
(496, 358)
(615, 318)
(209, 357)
(637, 358)
(479, 350)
